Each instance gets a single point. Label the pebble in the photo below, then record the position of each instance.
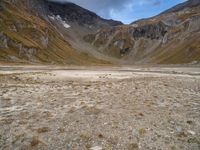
(96, 148)
(179, 129)
(191, 132)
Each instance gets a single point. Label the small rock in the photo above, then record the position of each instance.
(96, 148)
(6, 98)
(191, 132)
(189, 122)
(179, 129)
(100, 135)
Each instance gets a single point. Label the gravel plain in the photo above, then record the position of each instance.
(99, 108)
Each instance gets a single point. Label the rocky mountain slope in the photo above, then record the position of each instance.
(75, 22)
(43, 31)
(171, 37)
(29, 35)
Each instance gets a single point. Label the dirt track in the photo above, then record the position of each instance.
(99, 108)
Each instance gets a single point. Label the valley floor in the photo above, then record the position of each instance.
(111, 108)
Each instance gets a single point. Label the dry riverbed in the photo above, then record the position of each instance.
(99, 109)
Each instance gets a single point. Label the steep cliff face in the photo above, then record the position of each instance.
(25, 36)
(171, 37)
(151, 31)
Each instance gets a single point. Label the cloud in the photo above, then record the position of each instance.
(158, 3)
(124, 10)
(106, 8)
(101, 7)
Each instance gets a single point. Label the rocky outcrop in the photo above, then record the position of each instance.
(3, 41)
(152, 31)
(124, 51)
(171, 37)
(194, 24)
(45, 39)
(28, 53)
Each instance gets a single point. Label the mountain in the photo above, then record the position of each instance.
(43, 31)
(34, 33)
(73, 13)
(74, 23)
(173, 37)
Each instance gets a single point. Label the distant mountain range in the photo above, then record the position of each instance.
(41, 31)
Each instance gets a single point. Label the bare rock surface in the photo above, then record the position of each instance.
(99, 108)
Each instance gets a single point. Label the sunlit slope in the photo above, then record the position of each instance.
(26, 37)
(172, 37)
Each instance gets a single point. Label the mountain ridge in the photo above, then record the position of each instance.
(171, 37)
(27, 38)
(187, 4)
(79, 14)
(44, 31)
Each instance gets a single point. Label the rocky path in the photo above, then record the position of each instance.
(94, 109)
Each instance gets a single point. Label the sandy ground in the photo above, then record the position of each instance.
(99, 108)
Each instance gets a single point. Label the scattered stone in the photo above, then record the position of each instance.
(182, 134)
(190, 122)
(179, 129)
(6, 98)
(72, 109)
(62, 130)
(141, 114)
(191, 132)
(96, 148)
(92, 111)
(100, 115)
(100, 135)
(86, 136)
(88, 146)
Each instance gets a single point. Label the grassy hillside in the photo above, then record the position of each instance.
(26, 37)
(169, 38)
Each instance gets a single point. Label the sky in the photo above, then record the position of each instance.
(126, 11)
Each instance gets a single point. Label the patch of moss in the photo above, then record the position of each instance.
(86, 136)
(133, 146)
(36, 141)
(142, 131)
(43, 130)
(193, 140)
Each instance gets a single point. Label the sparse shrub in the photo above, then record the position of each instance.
(133, 146)
(142, 131)
(43, 130)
